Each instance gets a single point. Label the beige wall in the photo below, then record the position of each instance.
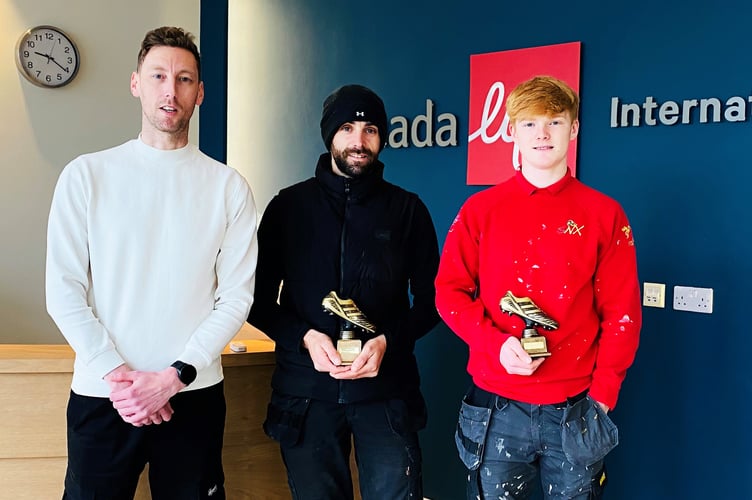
(271, 95)
(41, 130)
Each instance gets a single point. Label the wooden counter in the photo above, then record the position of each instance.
(34, 387)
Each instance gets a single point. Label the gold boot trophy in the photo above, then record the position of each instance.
(524, 307)
(348, 345)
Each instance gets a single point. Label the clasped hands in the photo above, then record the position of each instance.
(326, 358)
(143, 398)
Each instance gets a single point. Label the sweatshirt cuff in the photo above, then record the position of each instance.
(495, 343)
(105, 362)
(603, 395)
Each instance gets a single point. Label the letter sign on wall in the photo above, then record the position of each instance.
(492, 77)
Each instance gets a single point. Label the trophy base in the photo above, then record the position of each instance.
(535, 346)
(348, 350)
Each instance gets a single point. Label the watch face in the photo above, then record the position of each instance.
(47, 57)
(186, 373)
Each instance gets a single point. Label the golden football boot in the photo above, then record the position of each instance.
(525, 308)
(347, 310)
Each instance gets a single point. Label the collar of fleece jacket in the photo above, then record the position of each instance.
(358, 187)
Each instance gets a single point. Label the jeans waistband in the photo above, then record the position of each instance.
(485, 395)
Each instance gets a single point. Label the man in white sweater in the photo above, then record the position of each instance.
(151, 257)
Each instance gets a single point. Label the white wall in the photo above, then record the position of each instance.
(42, 129)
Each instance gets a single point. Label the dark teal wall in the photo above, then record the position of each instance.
(683, 408)
(212, 132)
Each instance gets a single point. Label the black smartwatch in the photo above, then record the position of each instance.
(186, 372)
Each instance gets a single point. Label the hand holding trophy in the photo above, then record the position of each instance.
(348, 345)
(524, 307)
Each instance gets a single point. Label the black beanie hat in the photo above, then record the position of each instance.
(352, 103)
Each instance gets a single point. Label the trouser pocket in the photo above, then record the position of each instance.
(599, 482)
(472, 426)
(407, 415)
(285, 416)
(587, 433)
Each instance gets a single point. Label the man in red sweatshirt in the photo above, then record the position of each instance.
(540, 251)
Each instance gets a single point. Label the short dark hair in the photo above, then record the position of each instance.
(169, 36)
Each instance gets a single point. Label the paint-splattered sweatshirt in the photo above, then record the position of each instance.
(571, 250)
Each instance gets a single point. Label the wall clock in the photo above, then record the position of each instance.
(47, 57)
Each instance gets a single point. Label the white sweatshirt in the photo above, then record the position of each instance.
(151, 258)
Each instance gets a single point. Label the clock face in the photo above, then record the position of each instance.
(47, 57)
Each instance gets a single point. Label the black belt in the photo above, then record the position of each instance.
(485, 399)
(572, 400)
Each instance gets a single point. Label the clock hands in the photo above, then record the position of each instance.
(58, 64)
(50, 58)
(52, 49)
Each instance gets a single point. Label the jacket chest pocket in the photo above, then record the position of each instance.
(382, 258)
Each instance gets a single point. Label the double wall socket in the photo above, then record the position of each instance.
(688, 298)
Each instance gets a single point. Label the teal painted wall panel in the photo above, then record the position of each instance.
(684, 406)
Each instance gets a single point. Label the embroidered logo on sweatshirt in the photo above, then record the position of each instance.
(627, 230)
(572, 228)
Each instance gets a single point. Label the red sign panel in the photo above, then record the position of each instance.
(491, 154)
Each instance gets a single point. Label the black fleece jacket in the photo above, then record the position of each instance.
(366, 239)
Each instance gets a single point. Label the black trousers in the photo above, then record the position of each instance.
(315, 439)
(107, 455)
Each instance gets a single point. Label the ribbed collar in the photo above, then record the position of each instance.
(359, 187)
(163, 156)
(553, 189)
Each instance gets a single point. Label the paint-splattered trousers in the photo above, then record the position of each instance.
(512, 449)
(315, 441)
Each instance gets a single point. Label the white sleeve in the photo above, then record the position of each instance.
(236, 272)
(67, 277)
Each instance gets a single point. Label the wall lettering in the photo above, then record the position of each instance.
(421, 133)
(651, 113)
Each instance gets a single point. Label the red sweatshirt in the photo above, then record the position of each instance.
(571, 250)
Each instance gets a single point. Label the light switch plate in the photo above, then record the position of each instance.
(654, 294)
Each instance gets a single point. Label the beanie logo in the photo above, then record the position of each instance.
(352, 103)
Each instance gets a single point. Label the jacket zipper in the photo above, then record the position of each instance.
(342, 240)
(342, 266)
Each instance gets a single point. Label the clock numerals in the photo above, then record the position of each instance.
(47, 57)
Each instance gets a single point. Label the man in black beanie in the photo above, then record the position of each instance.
(340, 256)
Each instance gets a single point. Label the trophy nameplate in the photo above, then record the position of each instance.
(533, 342)
(348, 345)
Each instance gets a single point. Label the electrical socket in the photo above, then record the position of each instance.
(688, 298)
(654, 294)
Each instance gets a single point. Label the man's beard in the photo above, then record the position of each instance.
(351, 168)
